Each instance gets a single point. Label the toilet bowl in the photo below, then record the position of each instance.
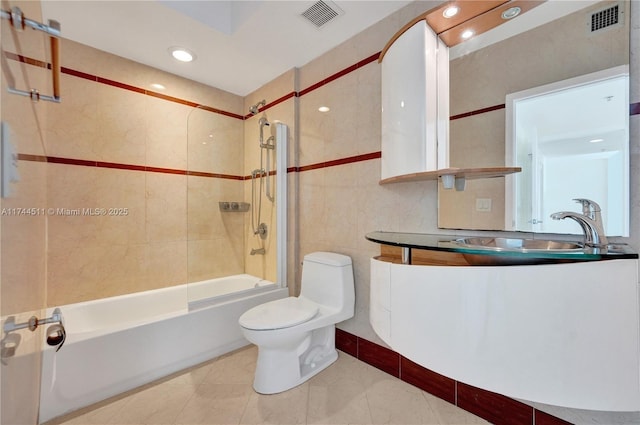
(296, 335)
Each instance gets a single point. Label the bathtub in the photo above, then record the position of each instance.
(119, 343)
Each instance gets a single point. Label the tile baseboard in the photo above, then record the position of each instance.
(493, 407)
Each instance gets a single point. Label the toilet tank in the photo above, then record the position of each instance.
(327, 279)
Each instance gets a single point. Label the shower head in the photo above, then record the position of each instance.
(255, 108)
(263, 121)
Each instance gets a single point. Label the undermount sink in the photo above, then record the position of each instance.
(518, 245)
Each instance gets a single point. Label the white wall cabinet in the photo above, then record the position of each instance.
(415, 103)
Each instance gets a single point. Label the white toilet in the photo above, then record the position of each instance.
(296, 335)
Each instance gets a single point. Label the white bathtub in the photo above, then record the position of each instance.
(119, 343)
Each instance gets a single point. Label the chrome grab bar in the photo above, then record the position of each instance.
(19, 22)
(10, 325)
(56, 334)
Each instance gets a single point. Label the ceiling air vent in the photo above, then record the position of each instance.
(322, 12)
(605, 18)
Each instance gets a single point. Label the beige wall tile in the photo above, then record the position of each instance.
(460, 207)
(166, 135)
(275, 89)
(215, 143)
(147, 247)
(204, 218)
(166, 207)
(23, 240)
(72, 131)
(69, 190)
(26, 119)
(121, 194)
(166, 264)
(120, 125)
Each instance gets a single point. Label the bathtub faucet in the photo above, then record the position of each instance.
(590, 220)
(260, 251)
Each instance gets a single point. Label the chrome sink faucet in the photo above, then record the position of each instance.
(590, 220)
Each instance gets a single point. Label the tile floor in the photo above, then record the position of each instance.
(220, 392)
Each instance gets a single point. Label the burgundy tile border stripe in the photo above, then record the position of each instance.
(78, 74)
(634, 109)
(215, 175)
(120, 85)
(165, 170)
(341, 161)
(117, 84)
(71, 161)
(25, 59)
(496, 408)
(274, 103)
(477, 112)
(119, 166)
(150, 169)
(280, 100)
(340, 73)
(219, 111)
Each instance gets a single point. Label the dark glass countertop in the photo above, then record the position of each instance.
(481, 255)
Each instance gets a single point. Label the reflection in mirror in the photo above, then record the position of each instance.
(567, 152)
(481, 77)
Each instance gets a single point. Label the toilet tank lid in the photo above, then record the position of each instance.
(328, 258)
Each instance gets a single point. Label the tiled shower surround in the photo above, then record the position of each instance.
(140, 155)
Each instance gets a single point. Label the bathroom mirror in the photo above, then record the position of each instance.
(487, 69)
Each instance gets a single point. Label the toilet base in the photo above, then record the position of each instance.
(280, 369)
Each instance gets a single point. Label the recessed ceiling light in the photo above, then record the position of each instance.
(324, 109)
(596, 140)
(158, 86)
(450, 11)
(467, 34)
(512, 12)
(182, 54)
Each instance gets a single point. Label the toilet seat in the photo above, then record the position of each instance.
(279, 314)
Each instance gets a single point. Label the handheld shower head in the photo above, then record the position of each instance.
(256, 108)
(262, 122)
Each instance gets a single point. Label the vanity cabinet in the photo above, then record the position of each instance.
(564, 334)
